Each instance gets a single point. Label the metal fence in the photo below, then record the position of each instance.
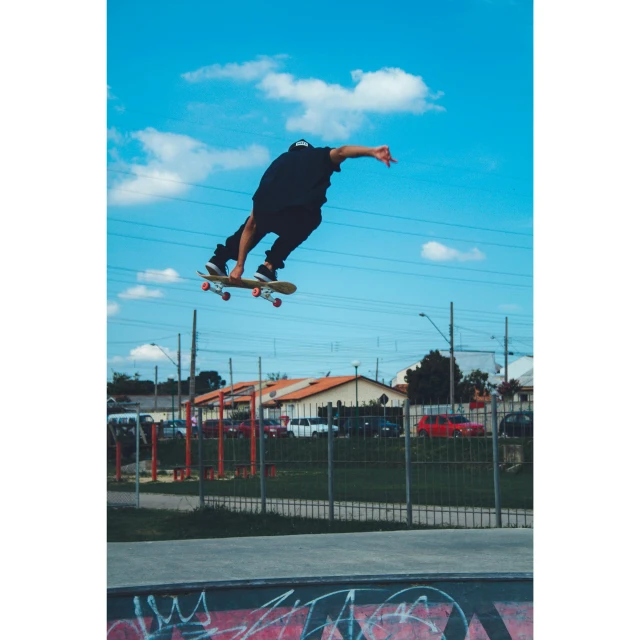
(415, 464)
(418, 464)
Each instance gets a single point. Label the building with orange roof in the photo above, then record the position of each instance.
(334, 389)
(300, 396)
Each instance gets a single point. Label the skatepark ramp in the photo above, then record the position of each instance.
(451, 607)
(445, 584)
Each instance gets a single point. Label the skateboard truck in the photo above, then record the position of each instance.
(216, 288)
(265, 293)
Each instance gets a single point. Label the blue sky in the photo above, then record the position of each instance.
(202, 98)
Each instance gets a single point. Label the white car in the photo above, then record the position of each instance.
(309, 428)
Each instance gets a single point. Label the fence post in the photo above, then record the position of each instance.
(330, 455)
(407, 461)
(253, 433)
(118, 459)
(496, 460)
(200, 458)
(138, 456)
(154, 451)
(221, 437)
(263, 477)
(188, 447)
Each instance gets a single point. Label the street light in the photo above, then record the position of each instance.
(356, 364)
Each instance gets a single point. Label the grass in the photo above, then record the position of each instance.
(444, 472)
(147, 525)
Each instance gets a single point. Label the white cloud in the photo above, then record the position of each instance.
(151, 353)
(246, 71)
(157, 276)
(440, 253)
(116, 360)
(113, 308)
(140, 292)
(334, 112)
(173, 159)
(331, 111)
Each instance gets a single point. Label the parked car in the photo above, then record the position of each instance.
(272, 428)
(448, 426)
(211, 428)
(177, 429)
(370, 427)
(309, 427)
(518, 424)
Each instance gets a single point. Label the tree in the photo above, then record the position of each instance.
(509, 389)
(124, 384)
(474, 385)
(277, 376)
(429, 381)
(207, 381)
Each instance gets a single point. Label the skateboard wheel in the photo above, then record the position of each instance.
(226, 295)
(277, 302)
(255, 292)
(206, 286)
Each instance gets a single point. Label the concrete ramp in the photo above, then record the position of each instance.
(454, 607)
(290, 587)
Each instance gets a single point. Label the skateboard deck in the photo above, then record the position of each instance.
(258, 288)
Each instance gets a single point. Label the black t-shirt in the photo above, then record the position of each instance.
(297, 178)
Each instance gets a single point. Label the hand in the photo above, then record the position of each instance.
(236, 274)
(383, 154)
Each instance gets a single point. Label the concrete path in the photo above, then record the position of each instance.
(348, 554)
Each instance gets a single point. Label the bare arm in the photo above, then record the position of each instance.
(245, 243)
(340, 154)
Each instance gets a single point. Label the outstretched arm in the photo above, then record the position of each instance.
(340, 154)
(245, 245)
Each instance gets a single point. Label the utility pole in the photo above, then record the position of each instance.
(155, 391)
(179, 382)
(506, 349)
(376, 369)
(451, 367)
(192, 376)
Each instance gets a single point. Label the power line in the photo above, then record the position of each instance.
(331, 251)
(406, 305)
(340, 224)
(327, 206)
(407, 162)
(334, 265)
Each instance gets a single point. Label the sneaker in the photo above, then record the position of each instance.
(217, 268)
(265, 274)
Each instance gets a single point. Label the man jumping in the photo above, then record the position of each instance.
(287, 203)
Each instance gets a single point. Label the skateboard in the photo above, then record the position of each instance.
(259, 289)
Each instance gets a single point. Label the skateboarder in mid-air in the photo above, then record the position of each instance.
(287, 203)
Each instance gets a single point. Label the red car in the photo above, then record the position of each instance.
(272, 429)
(211, 428)
(448, 426)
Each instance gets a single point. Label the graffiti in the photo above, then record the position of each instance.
(425, 612)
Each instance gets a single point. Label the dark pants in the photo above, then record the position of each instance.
(292, 226)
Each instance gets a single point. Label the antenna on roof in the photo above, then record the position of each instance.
(328, 372)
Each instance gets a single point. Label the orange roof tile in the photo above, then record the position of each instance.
(212, 396)
(321, 384)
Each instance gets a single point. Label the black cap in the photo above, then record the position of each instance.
(300, 144)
